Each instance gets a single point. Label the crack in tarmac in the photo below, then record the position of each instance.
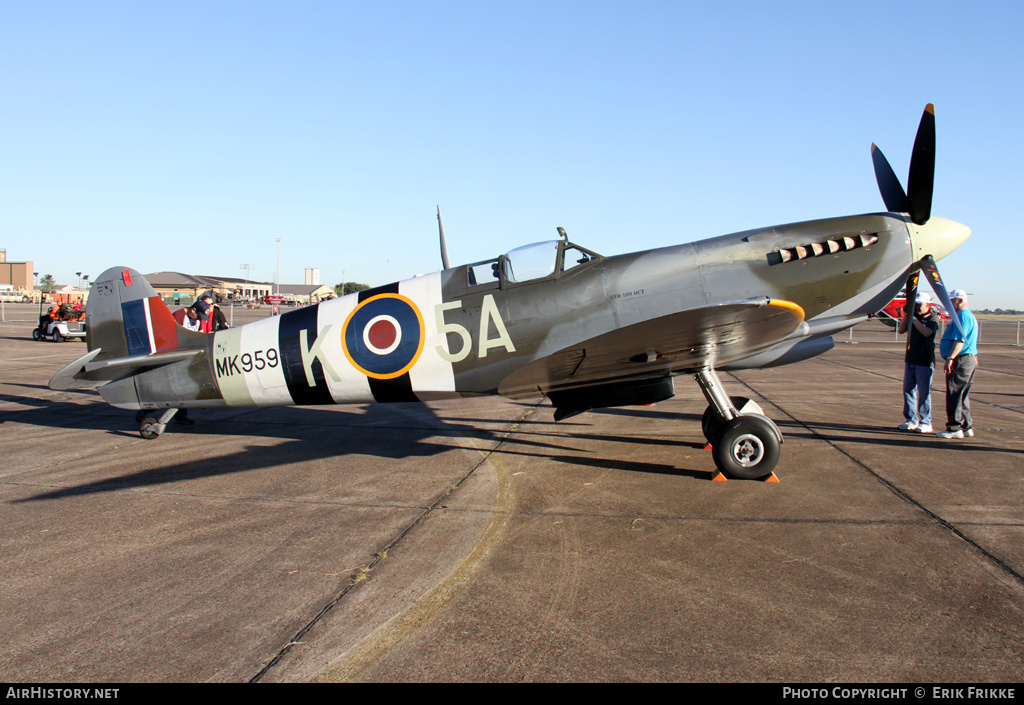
(399, 628)
(892, 487)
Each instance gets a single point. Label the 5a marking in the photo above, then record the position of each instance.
(489, 314)
(247, 362)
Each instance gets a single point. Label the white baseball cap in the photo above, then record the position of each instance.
(923, 298)
(958, 294)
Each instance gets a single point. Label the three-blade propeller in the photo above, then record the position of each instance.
(916, 202)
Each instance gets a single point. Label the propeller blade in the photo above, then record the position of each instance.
(922, 169)
(911, 288)
(931, 271)
(888, 183)
(911, 292)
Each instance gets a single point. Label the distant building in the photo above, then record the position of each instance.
(235, 289)
(17, 274)
(307, 293)
(179, 288)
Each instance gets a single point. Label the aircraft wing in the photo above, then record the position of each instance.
(86, 372)
(686, 341)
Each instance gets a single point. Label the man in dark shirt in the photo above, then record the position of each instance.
(203, 308)
(919, 363)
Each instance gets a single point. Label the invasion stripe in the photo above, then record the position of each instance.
(290, 345)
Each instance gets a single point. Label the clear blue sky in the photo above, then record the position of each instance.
(189, 135)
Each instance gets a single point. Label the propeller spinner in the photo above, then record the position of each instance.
(932, 238)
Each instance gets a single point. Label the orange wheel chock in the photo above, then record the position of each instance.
(719, 476)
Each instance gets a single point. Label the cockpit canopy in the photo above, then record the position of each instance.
(539, 260)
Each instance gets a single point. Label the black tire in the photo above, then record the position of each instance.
(57, 338)
(150, 428)
(37, 334)
(711, 423)
(747, 448)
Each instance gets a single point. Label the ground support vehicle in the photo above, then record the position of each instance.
(59, 331)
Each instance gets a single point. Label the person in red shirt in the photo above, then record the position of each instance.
(187, 318)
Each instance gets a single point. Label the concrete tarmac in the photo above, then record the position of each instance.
(481, 541)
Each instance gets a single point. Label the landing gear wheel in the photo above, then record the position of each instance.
(151, 428)
(747, 448)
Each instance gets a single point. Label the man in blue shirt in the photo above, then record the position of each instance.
(960, 353)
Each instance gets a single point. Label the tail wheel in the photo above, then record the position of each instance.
(747, 448)
(150, 428)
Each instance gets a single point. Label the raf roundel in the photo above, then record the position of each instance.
(383, 336)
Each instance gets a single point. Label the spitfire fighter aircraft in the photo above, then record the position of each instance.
(551, 319)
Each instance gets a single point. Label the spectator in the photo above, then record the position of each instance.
(960, 351)
(918, 365)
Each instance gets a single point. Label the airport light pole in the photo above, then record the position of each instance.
(248, 269)
(277, 279)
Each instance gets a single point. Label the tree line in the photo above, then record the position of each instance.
(1002, 311)
(349, 288)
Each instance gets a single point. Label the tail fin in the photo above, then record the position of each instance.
(125, 317)
(128, 328)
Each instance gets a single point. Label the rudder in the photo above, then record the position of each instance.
(125, 316)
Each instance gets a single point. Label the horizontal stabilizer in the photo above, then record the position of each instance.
(86, 372)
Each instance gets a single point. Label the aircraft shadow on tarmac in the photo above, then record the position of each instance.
(310, 433)
(830, 432)
(633, 466)
(386, 431)
(35, 411)
(834, 432)
(597, 462)
(880, 436)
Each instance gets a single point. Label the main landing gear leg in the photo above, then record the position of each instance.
(151, 426)
(745, 443)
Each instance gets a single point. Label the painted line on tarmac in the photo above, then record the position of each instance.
(393, 633)
(891, 486)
